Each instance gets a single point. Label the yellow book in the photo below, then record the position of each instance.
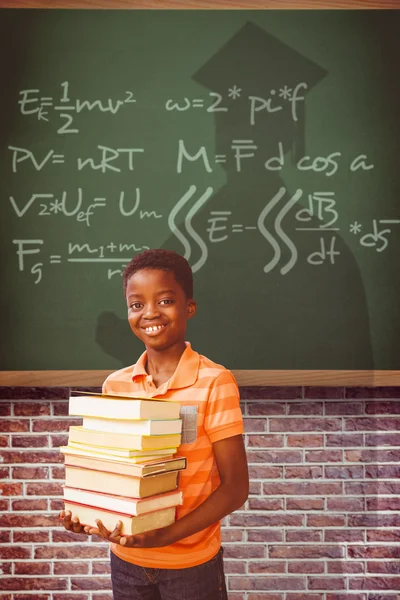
(105, 453)
(122, 407)
(126, 441)
(123, 466)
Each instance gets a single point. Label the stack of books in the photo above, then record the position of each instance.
(121, 464)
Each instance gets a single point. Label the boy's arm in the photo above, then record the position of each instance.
(230, 456)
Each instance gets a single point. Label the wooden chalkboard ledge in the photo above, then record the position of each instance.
(244, 378)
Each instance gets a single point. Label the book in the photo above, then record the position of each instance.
(122, 441)
(131, 525)
(104, 481)
(122, 504)
(133, 456)
(138, 427)
(122, 407)
(123, 466)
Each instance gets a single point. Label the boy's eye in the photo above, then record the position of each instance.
(166, 301)
(135, 305)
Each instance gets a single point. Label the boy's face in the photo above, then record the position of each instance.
(158, 308)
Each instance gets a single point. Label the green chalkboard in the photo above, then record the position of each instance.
(262, 145)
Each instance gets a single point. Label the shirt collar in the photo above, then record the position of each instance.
(185, 373)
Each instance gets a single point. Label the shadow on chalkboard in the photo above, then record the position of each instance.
(262, 304)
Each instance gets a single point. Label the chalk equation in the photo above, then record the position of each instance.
(220, 226)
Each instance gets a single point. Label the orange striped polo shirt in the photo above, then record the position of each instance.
(210, 409)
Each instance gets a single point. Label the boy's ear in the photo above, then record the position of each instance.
(191, 308)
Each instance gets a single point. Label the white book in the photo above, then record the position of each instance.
(139, 427)
(121, 407)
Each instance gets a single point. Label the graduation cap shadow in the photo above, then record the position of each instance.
(305, 311)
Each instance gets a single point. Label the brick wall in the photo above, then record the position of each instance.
(322, 521)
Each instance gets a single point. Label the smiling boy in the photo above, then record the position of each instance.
(184, 560)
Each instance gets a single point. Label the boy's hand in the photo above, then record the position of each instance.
(150, 539)
(71, 523)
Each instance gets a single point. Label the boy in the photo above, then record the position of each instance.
(184, 560)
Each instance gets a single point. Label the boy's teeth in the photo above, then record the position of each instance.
(155, 328)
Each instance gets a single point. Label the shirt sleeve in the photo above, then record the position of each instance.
(223, 417)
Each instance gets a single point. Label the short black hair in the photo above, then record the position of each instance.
(165, 260)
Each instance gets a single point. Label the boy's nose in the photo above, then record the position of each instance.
(151, 311)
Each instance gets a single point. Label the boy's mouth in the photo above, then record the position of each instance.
(154, 329)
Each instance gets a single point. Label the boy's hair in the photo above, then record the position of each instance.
(165, 260)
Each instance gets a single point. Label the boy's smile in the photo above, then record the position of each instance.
(158, 309)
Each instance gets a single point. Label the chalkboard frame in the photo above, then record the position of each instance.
(244, 377)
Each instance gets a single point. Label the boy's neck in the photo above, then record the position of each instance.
(161, 365)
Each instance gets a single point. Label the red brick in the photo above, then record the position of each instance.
(390, 567)
(60, 409)
(346, 504)
(104, 568)
(66, 537)
(266, 566)
(304, 535)
(382, 471)
(12, 552)
(51, 425)
(326, 583)
(305, 504)
(266, 583)
(311, 551)
(11, 489)
(27, 520)
(5, 409)
(5, 504)
(5, 569)
(344, 440)
(344, 408)
(56, 504)
(383, 503)
(265, 504)
(258, 520)
(382, 439)
(347, 597)
(383, 535)
(71, 551)
(265, 472)
(31, 409)
(4, 439)
(31, 597)
(30, 472)
(103, 596)
(69, 596)
(38, 536)
(342, 472)
(303, 472)
(307, 596)
(232, 535)
(253, 425)
(309, 424)
(304, 488)
(383, 408)
(326, 520)
(375, 455)
(244, 552)
(324, 456)
(5, 536)
(255, 596)
(58, 472)
(17, 456)
(375, 583)
(32, 568)
(59, 440)
(305, 408)
(37, 504)
(374, 551)
(4, 472)
(44, 489)
(265, 409)
(12, 425)
(71, 568)
(339, 566)
(29, 441)
(265, 535)
(374, 520)
(234, 566)
(90, 583)
(372, 392)
(305, 440)
(372, 424)
(372, 487)
(264, 441)
(34, 583)
(306, 567)
(277, 456)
